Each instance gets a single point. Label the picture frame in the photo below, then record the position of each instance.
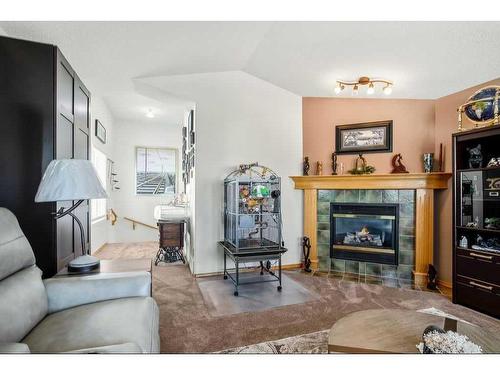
(191, 128)
(366, 137)
(156, 170)
(100, 131)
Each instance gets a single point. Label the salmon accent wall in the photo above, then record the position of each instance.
(413, 129)
(419, 126)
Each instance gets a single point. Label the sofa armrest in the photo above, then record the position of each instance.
(66, 292)
(14, 348)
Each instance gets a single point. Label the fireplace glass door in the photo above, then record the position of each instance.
(364, 232)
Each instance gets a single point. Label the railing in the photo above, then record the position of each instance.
(136, 222)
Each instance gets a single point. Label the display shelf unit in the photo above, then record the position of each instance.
(476, 221)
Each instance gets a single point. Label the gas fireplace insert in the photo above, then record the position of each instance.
(366, 232)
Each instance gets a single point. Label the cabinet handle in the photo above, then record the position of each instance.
(481, 285)
(481, 256)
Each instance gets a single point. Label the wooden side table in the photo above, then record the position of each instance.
(396, 331)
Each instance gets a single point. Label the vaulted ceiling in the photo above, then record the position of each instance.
(426, 60)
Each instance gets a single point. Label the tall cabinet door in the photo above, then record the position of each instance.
(81, 151)
(64, 150)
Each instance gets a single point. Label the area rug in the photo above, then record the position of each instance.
(220, 301)
(310, 343)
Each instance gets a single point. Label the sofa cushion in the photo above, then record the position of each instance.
(23, 303)
(15, 250)
(99, 324)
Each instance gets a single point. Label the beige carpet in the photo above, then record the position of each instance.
(186, 325)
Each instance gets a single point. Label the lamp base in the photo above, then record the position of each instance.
(83, 264)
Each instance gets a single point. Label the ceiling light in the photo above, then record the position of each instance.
(150, 114)
(362, 81)
(338, 88)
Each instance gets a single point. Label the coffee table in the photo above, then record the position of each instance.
(396, 331)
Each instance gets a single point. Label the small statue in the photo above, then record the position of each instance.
(306, 250)
(305, 167)
(319, 168)
(334, 164)
(475, 157)
(432, 277)
(397, 165)
(361, 166)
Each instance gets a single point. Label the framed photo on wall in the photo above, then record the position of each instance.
(364, 137)
(155, 171)
(100, 131)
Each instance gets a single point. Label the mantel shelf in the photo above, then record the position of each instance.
(437, 180)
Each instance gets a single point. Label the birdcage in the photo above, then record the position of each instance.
(252, 208)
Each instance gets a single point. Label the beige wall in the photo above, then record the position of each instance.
(445, 125)
(413, 129)
(419, 126)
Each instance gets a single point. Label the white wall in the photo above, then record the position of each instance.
(127, 136)
(239, 119)
(245, 119)
(100, 111)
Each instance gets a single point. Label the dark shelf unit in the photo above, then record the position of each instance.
(476, 273)
(45, 115)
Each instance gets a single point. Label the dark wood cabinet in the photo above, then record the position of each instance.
(45, 112)
(476, 220)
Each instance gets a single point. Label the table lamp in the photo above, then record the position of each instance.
(72, 180)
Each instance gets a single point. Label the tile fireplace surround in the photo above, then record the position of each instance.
(414, 192)
(406, 201)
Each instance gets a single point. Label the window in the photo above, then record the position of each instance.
(98, 206)
(155, 170)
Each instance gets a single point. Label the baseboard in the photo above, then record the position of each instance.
(99, 249)
(445, 284)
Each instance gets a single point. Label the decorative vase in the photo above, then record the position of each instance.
(428, 162)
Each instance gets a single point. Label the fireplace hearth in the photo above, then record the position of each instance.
(365, 232)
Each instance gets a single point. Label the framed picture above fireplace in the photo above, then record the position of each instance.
(364, 137)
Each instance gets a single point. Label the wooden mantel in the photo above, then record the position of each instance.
(423, 183)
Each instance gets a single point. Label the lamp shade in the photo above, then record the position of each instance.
(69, 179)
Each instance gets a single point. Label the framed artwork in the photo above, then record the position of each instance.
(364, 137)
(100, 131)
(155, 171)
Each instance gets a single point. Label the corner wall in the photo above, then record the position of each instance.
(419, 127)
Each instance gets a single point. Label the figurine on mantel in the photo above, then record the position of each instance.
(397, 164)
(362, 166)
(334, 163)
(305, 167)
(319, 168)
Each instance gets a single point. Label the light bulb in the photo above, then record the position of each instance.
(337, 89)
(150, 114)
(388, 89)
(371, 89)
(355, 90)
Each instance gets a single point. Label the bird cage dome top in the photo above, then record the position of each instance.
(251, 172)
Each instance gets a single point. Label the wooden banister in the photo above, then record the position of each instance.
(136, 222)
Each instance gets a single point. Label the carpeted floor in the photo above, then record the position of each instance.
(186, 326)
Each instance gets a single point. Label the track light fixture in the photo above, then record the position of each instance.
(362, 81)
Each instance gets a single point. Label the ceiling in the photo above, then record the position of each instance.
(425, 60)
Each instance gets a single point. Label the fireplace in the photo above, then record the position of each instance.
(366, 232)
